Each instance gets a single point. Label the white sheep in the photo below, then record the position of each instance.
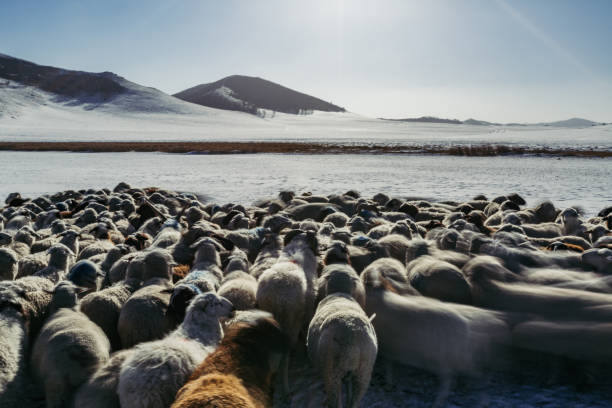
(271, 247)
(442, 338)
(69, 348)
(207, 262)
(153, 373)
(287, 289)
(9, 264)
(59, 262)
(341, 278)
(13, 348)
(342, 346)
(240, 288)
(495, 287)
(439, 279)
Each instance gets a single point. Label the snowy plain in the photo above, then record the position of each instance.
(244, 178)
(145, 114)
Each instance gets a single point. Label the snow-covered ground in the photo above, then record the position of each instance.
(146, 114)
(244, 178)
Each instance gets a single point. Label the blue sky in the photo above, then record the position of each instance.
(499, 60)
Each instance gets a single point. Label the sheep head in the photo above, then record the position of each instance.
(309, 238)
(208, 306)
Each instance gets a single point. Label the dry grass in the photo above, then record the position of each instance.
(295, 147)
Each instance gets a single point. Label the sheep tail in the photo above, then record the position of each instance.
(372, 317)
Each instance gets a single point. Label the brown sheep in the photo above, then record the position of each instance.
(240, 372)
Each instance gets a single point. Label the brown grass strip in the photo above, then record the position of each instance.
(295, 147)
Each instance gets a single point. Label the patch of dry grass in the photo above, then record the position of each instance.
(295, 147)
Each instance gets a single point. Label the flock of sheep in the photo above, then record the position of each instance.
(149, 298)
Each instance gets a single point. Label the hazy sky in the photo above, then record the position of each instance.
(499, 60)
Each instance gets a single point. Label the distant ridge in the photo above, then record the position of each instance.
(571, 123)
(250, 94)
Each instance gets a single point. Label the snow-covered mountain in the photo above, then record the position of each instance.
(29, 83)
(249, 94)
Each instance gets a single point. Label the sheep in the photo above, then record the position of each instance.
(113, 256)
(30, 264)
(240, 372)
(442, 338)
(69, 238)
(439, 279)
(34, 294)
(287, 289)
(240, 288)
(86, 275)
(157, 263)
(100, 390)
(168, 235)
(13, 347)
(96, 248)
(380, 231)
(364, 255)
(389, 273)
(207, 262)
(396, 245)
(275, 223)
(183, 252)
(59, 261)
(9, 264)
(579, 340)
(271, 247)
(420, 247)
(23, 240)
(563, 278)
(336, 252)
(599, 258)
(193, 215)
(338, 219)
(68, 349)
(495, 287)
(315, 211)
(104, 308)
(340, 278)
(144, 316)
(342, 345)
(516, 257)
(153, 373)
(573, 240)
(237, 261)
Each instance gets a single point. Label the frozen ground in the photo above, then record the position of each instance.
(417, 389)
(145, 114)
(244, 178)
